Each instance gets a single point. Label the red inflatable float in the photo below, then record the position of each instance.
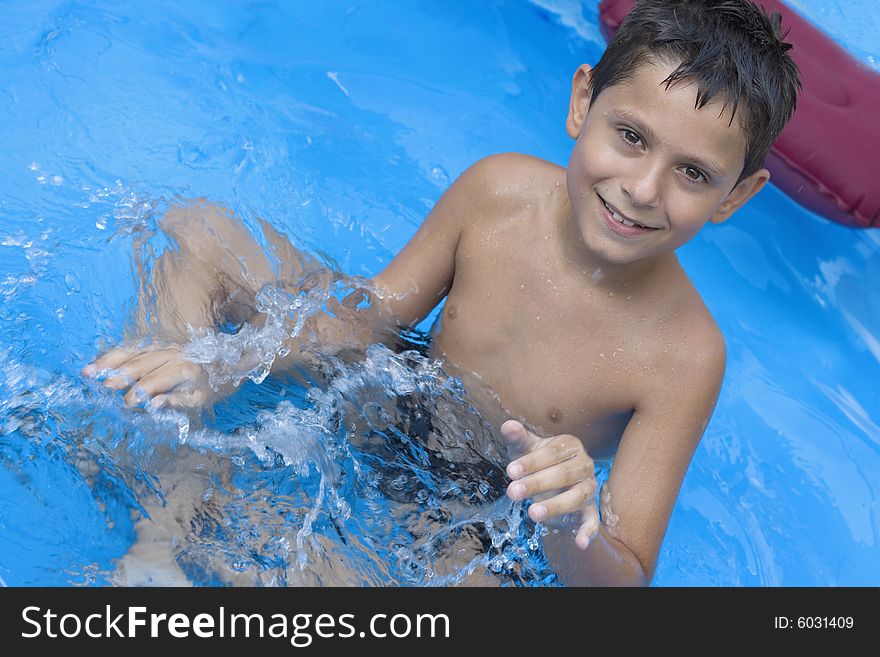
(828, 156)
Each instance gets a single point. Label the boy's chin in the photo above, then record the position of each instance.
(615, 251)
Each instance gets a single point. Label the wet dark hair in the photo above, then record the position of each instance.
(730, 48)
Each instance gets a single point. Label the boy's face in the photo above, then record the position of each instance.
(645, 155)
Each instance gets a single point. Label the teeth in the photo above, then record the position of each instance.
(619, 219)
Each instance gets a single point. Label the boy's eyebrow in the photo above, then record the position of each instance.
(643, 129)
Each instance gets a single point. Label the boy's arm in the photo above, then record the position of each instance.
(219, 259)
(420, 276)
(413, 283)
(644, 482)
(659, 443)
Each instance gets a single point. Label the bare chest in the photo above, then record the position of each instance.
(555, 354)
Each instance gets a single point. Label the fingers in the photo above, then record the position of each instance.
(518, 438)
(557, 473)
(573, 499)
(111, 360)
(589, 527)
(548, 452)
(184, 399)
(164, 379)
(161, 377)
(137, 367)
(551, 477)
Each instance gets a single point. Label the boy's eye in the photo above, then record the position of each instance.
(694, 174)
(630, 137)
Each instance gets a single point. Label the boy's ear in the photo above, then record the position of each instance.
(745, 190)
(579, 105)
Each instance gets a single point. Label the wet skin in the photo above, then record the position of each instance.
(566, 309)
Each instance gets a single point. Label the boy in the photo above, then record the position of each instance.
(564, 296)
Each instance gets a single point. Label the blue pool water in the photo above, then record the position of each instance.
(341, 123)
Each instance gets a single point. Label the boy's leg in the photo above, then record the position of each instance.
(214, 273)
(179, 526)
(183, 476)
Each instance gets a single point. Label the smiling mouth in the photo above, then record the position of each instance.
(621, 218)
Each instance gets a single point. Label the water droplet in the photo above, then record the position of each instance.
(439, 175)
(72, 282)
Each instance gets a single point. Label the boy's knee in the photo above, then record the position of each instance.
(197, 219)
(213, 234)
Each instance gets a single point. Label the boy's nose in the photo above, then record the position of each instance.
(642, 188)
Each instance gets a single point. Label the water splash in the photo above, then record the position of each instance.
(383, 473)
(390, 453)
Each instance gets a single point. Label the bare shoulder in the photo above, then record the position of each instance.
(703, 342)
(523, 167)
(690, 354)
(700, 338)
(510, 180)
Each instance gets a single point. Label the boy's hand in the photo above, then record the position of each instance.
(557, 473)
(155, 377)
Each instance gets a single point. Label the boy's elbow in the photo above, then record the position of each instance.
(631, 572)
